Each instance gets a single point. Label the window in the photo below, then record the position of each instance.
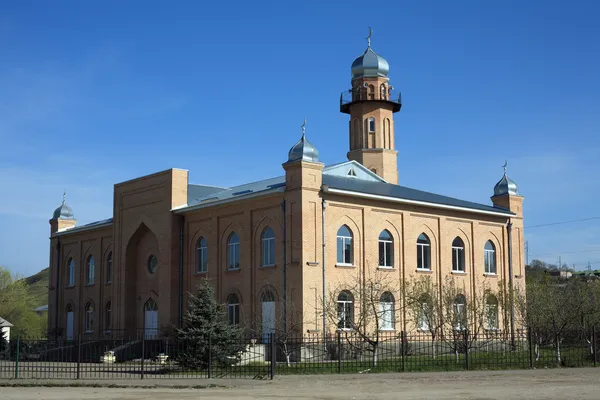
(71, 272)
(201, 256)
(386, 312)
(345, 304)
(460, 313)
(386, 249)
(344, 246)
(152, 263)
(233, 251)
(423, 252)
(89, 317)
(233, 309)
(425, 313)
(491, 312)
(371, 124)
(109, 268)
(458, 255)
(351, 172)
(107, 319)
(268, 248)
(383, 92)
(489, 258)
(90, 270)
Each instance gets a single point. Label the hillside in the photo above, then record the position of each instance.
(37, 286)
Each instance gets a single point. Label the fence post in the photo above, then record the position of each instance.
(594, 343)
(209, 355)
(17, 358)
(339, 348)
(143, 355)
(466, 349)
(273, 354)
(530, 347)
(402, 338)
(78, 355)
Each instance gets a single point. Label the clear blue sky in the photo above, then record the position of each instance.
(94, 93)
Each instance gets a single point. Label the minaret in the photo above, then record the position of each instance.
(371, 104)
(62, 217)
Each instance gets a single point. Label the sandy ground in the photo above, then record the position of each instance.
(577, 383)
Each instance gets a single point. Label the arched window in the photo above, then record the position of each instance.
(425, 313)
(268, 324)
(89, 318)
(91, 270)
(386, 249)
(491, 312)
(107, 317)
(458, 255)
(460, 313)
(371, 92)
(152, 263)
(109, 268)
(233, 251)
(233, 309)
(383, 92)
(201, 256)
(345, 303)
(150, 319)
(150, 305)
(423, 252)
(386, 311)
(489, 258)
(344, 246)
(371, 124)
(71, 272)
(268, 248)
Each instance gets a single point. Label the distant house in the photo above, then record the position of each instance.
(5, 328)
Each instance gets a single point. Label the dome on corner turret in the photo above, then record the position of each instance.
(303, 149)
(63, 211)
(506, 185)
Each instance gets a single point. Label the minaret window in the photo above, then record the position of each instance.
(383, 92)
(371, 124)
(371, 92)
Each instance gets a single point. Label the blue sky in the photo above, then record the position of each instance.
(94, 93)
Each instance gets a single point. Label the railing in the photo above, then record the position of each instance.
(362, 94)
(342, 352)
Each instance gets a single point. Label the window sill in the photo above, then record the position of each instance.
(345, 330)
(69, 286)
(89, 284)
(459, 272)
(232, 270)
(268, 266)
(386, 268)
(388, 330)
(342, 265)
(495, 330)
(203, 273)
(488, 274)
(108, 283)
(424, 271)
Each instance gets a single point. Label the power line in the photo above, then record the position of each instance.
(565, 252)
(561, 223)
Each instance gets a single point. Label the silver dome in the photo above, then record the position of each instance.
(63, 211)
(370, 64)
(303, 150)
(506, 186)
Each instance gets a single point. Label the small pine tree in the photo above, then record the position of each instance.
(204, 319)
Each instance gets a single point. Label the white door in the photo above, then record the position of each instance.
(70, 325)
(268, 319)
(151, 324)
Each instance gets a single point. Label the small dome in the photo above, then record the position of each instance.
(506, 186)
(303, 150)
(63, 211)
(370, 64)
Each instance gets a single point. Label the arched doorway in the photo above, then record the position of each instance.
(150, 319)
(268, 315)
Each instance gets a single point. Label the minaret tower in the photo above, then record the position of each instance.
(371, 104)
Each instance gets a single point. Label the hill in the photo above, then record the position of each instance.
(37, 286)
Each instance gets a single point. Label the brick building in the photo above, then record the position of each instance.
(278, 247)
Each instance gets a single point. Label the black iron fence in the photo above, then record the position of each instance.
(262, 358)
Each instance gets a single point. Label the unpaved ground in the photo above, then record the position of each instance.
(577, 383)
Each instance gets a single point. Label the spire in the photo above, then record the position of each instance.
(304, 128)
(369, 37)
(504, 166)
(64, 196)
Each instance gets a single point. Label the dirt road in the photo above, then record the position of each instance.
(577, 383)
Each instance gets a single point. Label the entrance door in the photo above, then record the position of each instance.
(69, 325)
(268, 319)
(150, 319)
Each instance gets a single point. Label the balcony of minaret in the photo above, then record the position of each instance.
(369, 92)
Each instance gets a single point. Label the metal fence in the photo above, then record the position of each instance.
(263, 358)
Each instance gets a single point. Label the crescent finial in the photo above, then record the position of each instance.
(304, 127)
(504, 166)
(64, 196)
(369, 37)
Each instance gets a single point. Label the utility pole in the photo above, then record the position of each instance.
(589, 267)
(560, 263)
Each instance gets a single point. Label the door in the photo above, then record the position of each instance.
(268, 319)
(69, 325)
(150, 320)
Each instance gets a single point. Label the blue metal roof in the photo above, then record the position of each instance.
(402, 192)
(241, 190)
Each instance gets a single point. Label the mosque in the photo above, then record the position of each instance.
(275, 250)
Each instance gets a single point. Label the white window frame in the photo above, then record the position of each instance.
(268, 249)
(201, 256)
(344, 241)
(89, 318)
(421, 247)
(423, 323)
(386, 242)
(109, 268)
(233, 253)
(91, 270)
(371, 124)
(71, 273)
(456, 250)
(488, 309)
(233, 313)
(387, 315)
(489, 260)
(459, 310)
(345, 307)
